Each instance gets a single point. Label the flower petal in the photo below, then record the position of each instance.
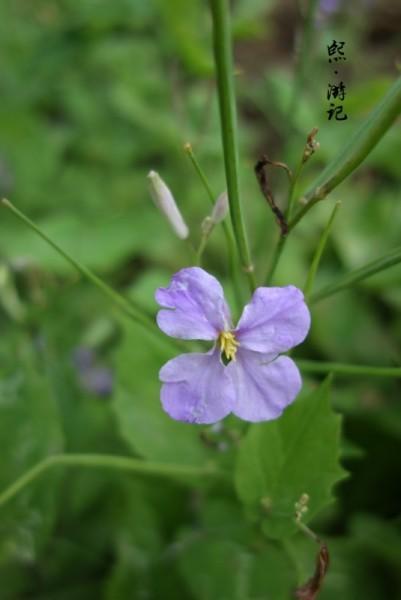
(263, 390)
(194, 306)
(275, 320)
(196, 388)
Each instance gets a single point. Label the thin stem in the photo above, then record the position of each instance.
(126, 306)
(302, 212)
(312, 366)
(230, 242)
(276, 257)
(107, 461)
(201, 248)
(319, 251)
(225, 84)
(350, 279)
(283, 239)
(291, 191)
(190, 153)
(307, 531)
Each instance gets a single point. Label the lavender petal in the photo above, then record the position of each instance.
(263, 390)
(194, 307)
(275, 320)
(196, 388)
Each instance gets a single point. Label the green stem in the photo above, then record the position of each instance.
(283, 239)
(312, 366)
(107, 461)
(276, 257)
(225, 84)
(349, 158)
(307, 531)
(319, 251)
(190, 153)
(201, 248)
(126, 306)
(291, 192)
(230, 242)
(350, 279)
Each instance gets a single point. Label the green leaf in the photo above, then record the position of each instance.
(283, 459)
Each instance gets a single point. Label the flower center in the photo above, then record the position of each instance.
(228, 345)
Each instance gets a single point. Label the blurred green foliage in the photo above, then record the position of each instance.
(94, 95)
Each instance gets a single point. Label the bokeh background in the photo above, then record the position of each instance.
(94, 94)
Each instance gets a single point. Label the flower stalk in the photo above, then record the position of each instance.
(226, 93)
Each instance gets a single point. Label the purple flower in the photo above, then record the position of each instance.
(243, 372)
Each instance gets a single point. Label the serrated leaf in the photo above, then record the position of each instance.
(281, 460)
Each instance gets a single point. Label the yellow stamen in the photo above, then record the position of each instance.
(228, 344)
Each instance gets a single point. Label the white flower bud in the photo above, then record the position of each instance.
(220, 208)
(164, 200)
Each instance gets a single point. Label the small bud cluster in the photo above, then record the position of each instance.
(301, 507)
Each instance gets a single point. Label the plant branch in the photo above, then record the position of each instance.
(319, 251)
(276, 257)
(104, 461)
(127, 307)
(312, 366)
(355, 276)
(225, 85)
(349, 158)
(310, 147)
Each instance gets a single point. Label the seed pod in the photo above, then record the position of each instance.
(164, 200)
